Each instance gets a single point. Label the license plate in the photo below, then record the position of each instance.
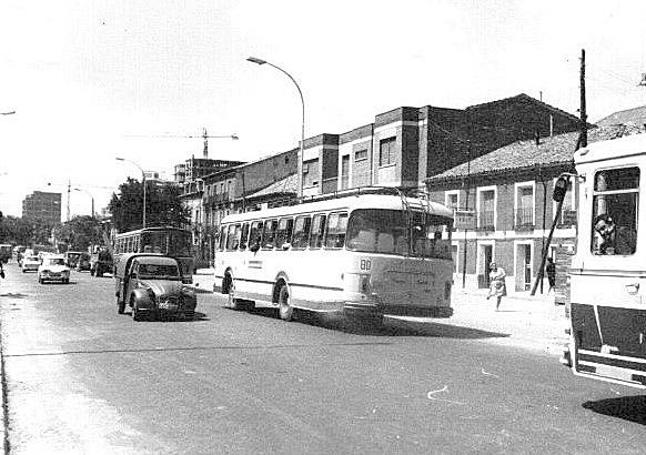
(168, 306)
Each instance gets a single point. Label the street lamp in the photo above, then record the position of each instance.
(259, 61)
(143, 179)
(89, 194)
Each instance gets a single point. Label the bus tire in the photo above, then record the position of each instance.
(285, 308)
(232, 301)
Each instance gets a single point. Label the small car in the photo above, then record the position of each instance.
(53, 268)
(151, 284)
(30, 263)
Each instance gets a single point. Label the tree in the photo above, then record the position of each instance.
(16, 230)
(163, 206)
(79, 233)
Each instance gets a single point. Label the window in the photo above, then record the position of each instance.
(302, 227)
(486, 209)
(310, 172)
(255, 235)
(318, 230)
(387, 151)
(336, 226)
(269, 234)
(361, 155)
(223, 237)
(244, 237)
(233, 237)
(385, 231)
(345, 172)
(614, 211)
(452, 200)
(284, 232)
(524, 214)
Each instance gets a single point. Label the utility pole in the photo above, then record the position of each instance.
(69, 190)
(584, 116)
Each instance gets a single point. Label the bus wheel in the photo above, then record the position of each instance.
(285, 308)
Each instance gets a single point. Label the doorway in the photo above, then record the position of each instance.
(523, 268)
(486, 256)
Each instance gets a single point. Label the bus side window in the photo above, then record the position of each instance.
(284, 233)
(269, 234)
(302, 227)
(318, 230)
(614, 217)
(337, 224)
(255, 235)
(232, 240)
(223, 237)
(244, 237)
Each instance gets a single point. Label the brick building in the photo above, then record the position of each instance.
(42, 206)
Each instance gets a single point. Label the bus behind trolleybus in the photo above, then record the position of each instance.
(166, 240)
(607, 333)
(363, 253)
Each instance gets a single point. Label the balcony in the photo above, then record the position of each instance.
(524, 219)
(486, 220)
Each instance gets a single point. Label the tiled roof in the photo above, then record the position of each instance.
(287, 185)
(636, 116)
(554, 150)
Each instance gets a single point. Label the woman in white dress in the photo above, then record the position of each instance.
(497, 286)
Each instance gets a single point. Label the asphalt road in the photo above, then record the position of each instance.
(83, 379)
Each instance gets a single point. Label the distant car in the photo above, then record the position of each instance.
(101, 263)
(30, 263)
(83, 262)
(152, 285)
(53, 268)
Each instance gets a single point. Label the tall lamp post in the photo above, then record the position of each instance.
(259, 61)
(143, 179)
(89, 194)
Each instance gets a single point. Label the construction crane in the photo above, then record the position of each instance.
(204, 136)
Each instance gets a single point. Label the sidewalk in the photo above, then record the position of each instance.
(533, 322)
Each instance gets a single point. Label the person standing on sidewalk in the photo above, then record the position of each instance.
(497, 286)
(550, 270)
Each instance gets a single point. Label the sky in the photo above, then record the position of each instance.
(93, 80)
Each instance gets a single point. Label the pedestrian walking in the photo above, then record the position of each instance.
(550, 270)
(497, 286)
(1, 270)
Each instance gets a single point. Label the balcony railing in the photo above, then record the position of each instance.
(524, 218)
(486, 220)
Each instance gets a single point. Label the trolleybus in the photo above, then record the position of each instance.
(170, 241)
(363, 253)
(608, 270)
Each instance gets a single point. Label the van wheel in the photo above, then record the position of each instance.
(285, 308)
(136, 315)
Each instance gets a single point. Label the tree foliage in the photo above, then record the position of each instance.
(19, 231)
(163, 206)
(79, 233)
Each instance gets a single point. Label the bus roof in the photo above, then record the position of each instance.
(612, 149)
(363, 201)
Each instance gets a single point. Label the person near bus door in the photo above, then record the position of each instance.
(497, 286)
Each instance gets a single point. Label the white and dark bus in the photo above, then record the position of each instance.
(608, 271)
(365, 253)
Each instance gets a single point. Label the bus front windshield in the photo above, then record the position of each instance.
(391, 232)
(172, 243)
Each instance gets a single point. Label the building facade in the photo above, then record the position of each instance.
(42, 206)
